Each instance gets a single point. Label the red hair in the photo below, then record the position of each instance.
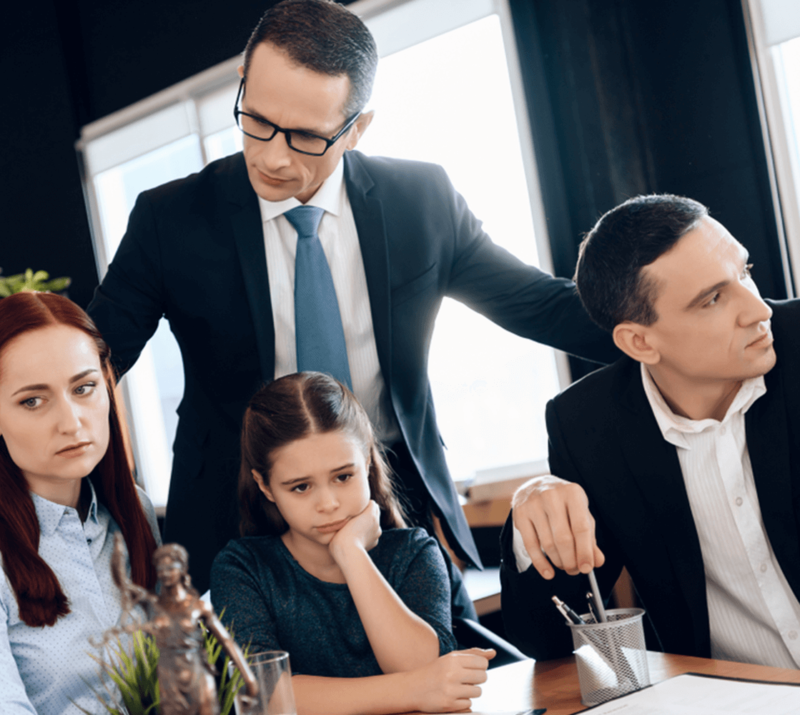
(39, 595)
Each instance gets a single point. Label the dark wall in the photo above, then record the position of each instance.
(41, 201)
(66, 63)
(627, 96)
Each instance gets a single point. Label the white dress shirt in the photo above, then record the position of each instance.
(339, 239)
(753, 614)
(49, 670)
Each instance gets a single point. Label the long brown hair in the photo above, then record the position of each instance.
(288, 409)
(39, 594)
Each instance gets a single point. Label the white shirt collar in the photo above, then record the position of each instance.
(328, 197)
(49, 513)
(674, 427)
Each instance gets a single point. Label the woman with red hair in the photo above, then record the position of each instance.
(65, 490)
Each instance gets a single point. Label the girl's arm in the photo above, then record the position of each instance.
(400, 639)
(446, 685)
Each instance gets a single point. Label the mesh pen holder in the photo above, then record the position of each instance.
(611, 656)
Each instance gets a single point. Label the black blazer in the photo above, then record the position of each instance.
(604, 436)
(194, 252)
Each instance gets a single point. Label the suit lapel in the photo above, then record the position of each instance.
(768, 445)
(655, 468)
(373, 241)
(248, 233)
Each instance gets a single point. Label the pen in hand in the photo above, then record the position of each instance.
(598, 600)
(567, 612)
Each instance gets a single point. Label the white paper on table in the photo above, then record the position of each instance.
(690, 694)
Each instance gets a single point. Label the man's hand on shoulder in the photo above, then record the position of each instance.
(552, 516)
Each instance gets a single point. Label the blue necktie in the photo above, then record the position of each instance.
(317, 322)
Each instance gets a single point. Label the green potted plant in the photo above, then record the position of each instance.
(31, 280)
(134, 671)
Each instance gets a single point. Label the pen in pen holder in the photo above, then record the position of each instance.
(611, 656)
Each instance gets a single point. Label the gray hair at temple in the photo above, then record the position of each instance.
(326, 38)
(612, 285)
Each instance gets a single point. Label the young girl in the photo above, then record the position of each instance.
(363, 613)
(65, 490)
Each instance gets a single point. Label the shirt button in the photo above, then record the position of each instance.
(722, 429)
(793, 635)
(763, 568)
(88, 541)
(739, 501)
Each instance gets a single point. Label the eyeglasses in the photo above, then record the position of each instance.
(302, 142)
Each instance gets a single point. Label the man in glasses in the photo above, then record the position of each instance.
(300, 254)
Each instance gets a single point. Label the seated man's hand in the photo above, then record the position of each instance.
(557, 528)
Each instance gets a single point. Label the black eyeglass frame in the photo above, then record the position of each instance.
(288, 132)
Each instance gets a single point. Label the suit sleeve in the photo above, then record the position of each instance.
(531, 620)
(520, 298)
(129, 302)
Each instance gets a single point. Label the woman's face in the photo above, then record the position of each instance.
(54, 409)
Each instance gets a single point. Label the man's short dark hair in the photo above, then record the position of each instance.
(609, 274)
(324, 37)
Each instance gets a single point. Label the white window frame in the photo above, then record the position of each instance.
(764, 34)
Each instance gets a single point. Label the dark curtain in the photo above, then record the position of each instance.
(633, 96)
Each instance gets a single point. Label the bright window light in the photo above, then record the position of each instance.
(443, 102)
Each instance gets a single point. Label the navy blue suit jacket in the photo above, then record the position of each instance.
(604, 436)
(194, 252)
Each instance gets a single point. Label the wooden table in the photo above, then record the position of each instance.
(554, 685)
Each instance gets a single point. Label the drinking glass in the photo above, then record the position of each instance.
(274, 675)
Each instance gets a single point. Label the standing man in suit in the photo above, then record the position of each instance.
(215, 253)
(681, 461)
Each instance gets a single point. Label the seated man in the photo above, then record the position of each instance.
(682, 459)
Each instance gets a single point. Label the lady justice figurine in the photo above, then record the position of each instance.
(186, 679)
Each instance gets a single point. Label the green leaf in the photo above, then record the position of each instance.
(56, 285)
(32, 281)
(133, 667)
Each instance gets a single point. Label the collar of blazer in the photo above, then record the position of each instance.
(373, 239)
(248, 234)
(654, 467)
(775, 450)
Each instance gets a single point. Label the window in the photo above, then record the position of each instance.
(774, 36)
(436, 99)
(123, 155)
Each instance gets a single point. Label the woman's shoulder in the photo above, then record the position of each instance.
(149, 513)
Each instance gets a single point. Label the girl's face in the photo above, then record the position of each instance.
(318, 483)
(54, 409)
